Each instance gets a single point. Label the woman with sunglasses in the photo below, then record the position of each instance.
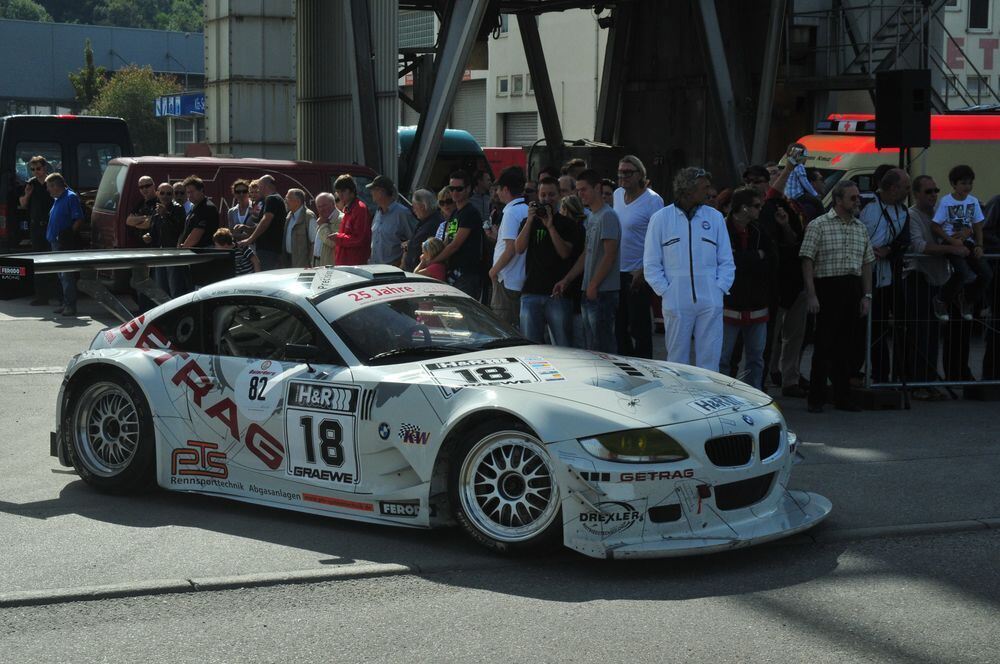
(37, 201)
(446, 206)
(240, 216)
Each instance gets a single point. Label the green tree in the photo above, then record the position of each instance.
(183, 16)
(24, 10)
(88, 81)
(130, 93)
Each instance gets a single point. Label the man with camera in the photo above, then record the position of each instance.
(552, 243)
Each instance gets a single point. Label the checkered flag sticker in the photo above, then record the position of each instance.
(408, 431)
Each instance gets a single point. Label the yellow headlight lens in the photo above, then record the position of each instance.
(635, 446)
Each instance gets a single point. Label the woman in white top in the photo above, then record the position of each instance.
(240, 218)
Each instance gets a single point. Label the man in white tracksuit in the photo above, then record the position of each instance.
(688, 261)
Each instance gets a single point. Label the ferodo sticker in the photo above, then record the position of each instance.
(717, 403)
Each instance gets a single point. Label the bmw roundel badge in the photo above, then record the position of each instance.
(384, 431)
(748, 420)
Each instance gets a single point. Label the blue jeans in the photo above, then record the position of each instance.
(754, 339)
(68, 281)
(537, 311)
(599, 321)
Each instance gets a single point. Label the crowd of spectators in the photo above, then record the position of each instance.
(743, 275)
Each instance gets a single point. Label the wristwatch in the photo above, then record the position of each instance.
(868, 296)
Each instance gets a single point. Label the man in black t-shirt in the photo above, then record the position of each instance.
(463, 236)
(200, 224)
(38, 202)
(268, 234)
(553, 243)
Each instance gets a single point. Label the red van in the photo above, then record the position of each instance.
(119, 194)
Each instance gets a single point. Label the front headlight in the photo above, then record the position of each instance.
(635, 446)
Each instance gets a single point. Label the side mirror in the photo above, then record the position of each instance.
(301, 352)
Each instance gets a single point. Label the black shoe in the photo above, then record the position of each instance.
(848, 407)
(40, 302)
(69, 311)
(776, 378)
(815, 408)
(59, 309)
(803, 383)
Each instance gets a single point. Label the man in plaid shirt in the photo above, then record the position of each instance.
(837, 260)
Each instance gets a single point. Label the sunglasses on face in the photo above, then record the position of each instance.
(240, 192)
(931, 191)
(453, 188)
(625, 174)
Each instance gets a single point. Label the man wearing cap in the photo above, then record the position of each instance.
(393, 224)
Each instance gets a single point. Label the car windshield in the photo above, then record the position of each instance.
(415, 328)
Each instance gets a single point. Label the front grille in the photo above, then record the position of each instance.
(770, 439)
(664, 513)
(744, 493)
(734, 450)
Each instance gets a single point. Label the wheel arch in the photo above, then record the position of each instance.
(84, 369)
(453, 435)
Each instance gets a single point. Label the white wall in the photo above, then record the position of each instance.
(574, 52)
(976, 48)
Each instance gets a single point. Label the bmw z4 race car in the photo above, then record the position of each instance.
(371, 394)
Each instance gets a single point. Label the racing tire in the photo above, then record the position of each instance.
(503, 488)
(109, 429)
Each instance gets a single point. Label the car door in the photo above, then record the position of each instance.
(292, 394)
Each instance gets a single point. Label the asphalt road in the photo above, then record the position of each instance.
(828, 596)
(915, 600)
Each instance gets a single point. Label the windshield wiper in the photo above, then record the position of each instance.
(504, 343)
(421, 350)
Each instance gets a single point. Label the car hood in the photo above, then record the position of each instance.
(654, 392)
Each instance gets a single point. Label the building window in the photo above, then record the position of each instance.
(504, 28)
(503, 86)
(978, 88)
(952, 5)
(517, 85)
(528, 84)
(979, 15)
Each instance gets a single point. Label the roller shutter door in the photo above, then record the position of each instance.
(520, 129)
(469, 112)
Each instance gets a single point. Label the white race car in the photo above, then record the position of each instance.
(371, 394)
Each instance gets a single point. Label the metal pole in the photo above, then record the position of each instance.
(769, 72)
(728, 117)
(539, 72)
(609, 102)
(359, 38)
(462, 26)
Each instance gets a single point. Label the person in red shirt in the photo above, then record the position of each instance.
(354, 241)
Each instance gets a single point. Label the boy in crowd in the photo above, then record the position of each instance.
(959, 222)
(599, 263)
(246, 260)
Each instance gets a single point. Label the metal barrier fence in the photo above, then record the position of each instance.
(909, 346)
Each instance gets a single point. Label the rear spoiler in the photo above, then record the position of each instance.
(17, 271)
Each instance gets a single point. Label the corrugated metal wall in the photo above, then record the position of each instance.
(250, 77)
(57, 48)
(326, 126)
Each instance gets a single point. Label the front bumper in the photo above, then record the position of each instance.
(622, 510)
